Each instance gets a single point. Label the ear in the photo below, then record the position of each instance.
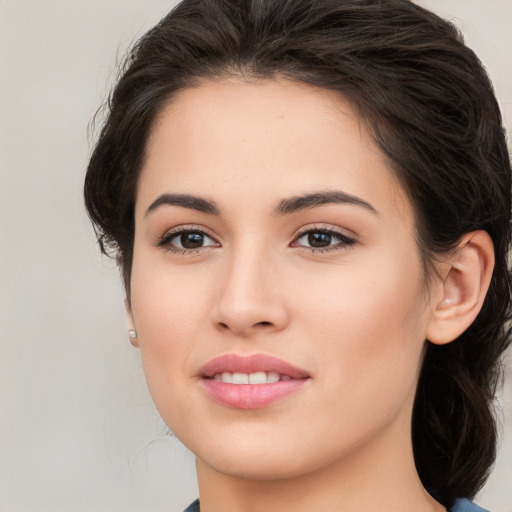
(460, 293)
(131, 326)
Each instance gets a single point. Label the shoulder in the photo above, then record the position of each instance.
(193, 507)
(464, 505)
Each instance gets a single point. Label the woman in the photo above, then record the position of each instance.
(309, 201)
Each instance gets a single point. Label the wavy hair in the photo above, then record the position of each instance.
(429, 106)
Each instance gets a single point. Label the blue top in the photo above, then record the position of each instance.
(193, 507)
(461, 505)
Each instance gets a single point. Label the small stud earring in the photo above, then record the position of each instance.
(132, 334)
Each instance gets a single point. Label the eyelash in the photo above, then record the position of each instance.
(344, 240)
(165, 242)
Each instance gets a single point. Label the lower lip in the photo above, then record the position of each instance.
(251, 396)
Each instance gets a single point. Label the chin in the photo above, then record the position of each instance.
(254, 456)
(256, 467)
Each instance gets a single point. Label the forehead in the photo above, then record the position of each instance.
(266, 138)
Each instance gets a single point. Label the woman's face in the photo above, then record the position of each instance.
(272, 242)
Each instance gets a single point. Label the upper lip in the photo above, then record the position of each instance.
(235, 363)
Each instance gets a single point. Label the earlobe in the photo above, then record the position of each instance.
(132, 333)
(463, 286)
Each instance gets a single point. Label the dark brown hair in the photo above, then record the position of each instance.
(430, 108)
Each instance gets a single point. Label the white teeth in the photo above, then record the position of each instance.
(250, 378)
(240, 378)
(272, 377)
(227, 377)
(258, 378)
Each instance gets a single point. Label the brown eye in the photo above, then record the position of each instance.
(191, 240)
(326, 239)
(318, 239)
(187, 240)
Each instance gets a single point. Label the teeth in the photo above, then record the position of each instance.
(250, 378)
(257, 378)
(272, 377)
(240, 378)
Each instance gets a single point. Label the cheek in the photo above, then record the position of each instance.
(371, 320)
(166, 298)
(169, 311)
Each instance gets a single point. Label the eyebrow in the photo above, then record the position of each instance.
(283, 207)
(312, 200)
(185, 201)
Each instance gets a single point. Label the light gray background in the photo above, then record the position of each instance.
(78, 430)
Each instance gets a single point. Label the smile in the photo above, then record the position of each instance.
(251, 382)
(250, 378)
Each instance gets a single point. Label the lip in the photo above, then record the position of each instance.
(251, 396)
(250, 364)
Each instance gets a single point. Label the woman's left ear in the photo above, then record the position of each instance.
(460, 292)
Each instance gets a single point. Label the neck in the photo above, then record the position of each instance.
(379, 476)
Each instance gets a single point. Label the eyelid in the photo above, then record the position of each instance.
(346, 240)
(325, 227)
(164, 241)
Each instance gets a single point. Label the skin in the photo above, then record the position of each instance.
(355, 317)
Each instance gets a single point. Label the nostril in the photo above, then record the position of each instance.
(264, 323)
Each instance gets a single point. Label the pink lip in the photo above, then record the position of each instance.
(250, 396)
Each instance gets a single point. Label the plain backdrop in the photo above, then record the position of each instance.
(78, 431)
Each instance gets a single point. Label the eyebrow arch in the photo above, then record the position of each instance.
(284, 207)
(307, 201)
(185, 201)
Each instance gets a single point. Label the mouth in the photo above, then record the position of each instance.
(255, 378)
(251, 382)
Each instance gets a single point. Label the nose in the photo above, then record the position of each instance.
(251, 298)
